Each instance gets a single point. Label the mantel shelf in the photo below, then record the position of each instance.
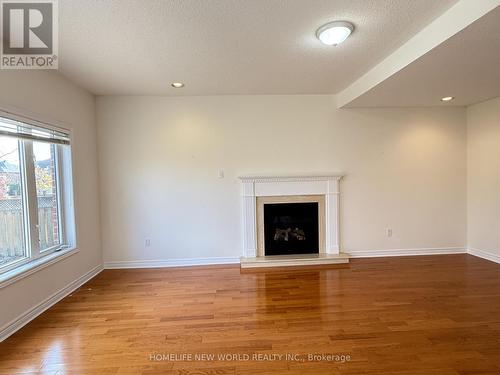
(296, 178)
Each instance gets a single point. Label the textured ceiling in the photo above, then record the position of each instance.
(137, 47)
(466, 66)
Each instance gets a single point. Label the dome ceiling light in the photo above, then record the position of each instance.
(334, 33)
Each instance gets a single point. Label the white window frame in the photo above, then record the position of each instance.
(35, 257)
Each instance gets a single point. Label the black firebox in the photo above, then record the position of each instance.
(291, 228)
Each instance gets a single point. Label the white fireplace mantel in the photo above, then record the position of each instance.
(269, 186)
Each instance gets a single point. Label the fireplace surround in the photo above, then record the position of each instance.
(260, 190)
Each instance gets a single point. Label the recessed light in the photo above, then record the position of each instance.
(447, 98)
(334, 33)
(177, 85)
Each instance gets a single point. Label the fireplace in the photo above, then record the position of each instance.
(299, 215)
(291, 228)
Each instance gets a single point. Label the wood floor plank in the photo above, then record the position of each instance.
(406, 315)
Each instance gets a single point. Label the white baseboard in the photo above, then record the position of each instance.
(406, 252)
(488, 255)
(170, 262)
(13, 326)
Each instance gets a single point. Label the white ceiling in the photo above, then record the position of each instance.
(466, 66)
(138, 47)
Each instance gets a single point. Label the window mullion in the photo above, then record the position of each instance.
(60, 196)
(32, 201)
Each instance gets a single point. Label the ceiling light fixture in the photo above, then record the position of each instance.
(177, 85)
(447, 98)
(334, 33)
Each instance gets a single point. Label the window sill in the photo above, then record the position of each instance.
(30, 268)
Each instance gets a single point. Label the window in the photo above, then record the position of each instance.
(46, 177)
(36, 208)
(12, 203)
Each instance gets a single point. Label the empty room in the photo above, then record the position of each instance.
(247, 187)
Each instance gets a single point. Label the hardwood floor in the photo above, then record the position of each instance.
(408, 315)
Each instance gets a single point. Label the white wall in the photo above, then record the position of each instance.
(52, 96)
(159, 157)
(483, 182)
